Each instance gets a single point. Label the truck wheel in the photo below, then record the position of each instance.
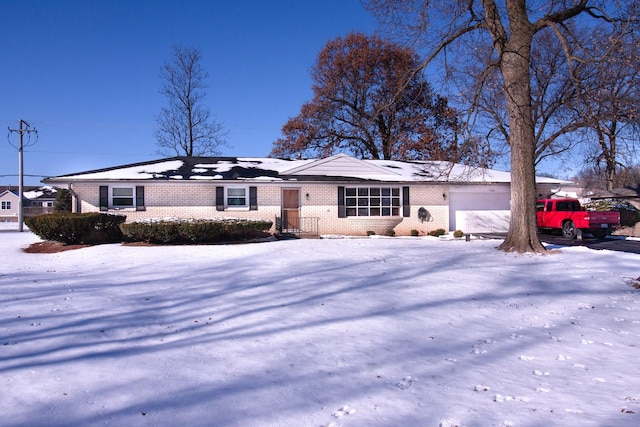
(569, 230)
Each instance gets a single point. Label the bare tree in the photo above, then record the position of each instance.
(504, 31)
(186, 126)
(553, 95)
(610, 103)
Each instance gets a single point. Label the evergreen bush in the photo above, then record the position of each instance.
(63, 201)
(195, 231)
(75, 228)
(438, 232)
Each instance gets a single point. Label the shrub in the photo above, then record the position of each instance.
(629, 214)
(371, 233)
(63, 201)
(194, 231)
(415, 232)
(438, 232)
(458, 234)
(74, 228)
(390, 232)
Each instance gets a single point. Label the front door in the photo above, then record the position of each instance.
(290, 209)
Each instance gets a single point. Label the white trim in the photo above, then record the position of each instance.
(133, 196)
(245, 206)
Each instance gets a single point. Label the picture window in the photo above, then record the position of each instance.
(372, 201)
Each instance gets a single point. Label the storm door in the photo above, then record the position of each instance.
(290, 209)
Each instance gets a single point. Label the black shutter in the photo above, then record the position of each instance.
(342, 211)
(219, 198)
(406, 207)
(253, 198)
(140, 198)
(104, 198)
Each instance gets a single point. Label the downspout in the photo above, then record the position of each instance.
(76, 206)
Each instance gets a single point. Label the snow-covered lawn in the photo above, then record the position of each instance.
(329, 332)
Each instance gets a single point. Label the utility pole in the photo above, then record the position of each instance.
(24, 128)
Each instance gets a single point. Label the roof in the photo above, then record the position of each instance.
(617, 193)
(340, 167)
(30, 192)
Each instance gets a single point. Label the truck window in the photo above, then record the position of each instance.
(549, 206)
(539, 206)
(575, 206)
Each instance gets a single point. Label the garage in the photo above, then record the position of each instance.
(479, 208)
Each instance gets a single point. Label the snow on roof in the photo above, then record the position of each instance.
(338, 167)
(41, 192)
(31, 192)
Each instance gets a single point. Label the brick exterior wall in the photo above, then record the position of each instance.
(198, 200)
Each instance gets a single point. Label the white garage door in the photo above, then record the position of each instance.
(490, 199)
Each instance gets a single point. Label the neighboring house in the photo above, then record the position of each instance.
(36, 201)
(629, 193)
(9, 205)
(335, 195)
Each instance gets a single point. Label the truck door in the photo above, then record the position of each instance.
(539, 211)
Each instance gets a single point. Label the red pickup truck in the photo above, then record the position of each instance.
(570, 217)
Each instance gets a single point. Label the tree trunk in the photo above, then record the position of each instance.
(523, 231)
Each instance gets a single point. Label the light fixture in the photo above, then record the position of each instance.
(444, 196)
(307, 196)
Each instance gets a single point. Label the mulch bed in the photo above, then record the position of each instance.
(50, 247)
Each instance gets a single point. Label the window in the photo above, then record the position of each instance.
(236, 197)
(6, 204)
(372, 201)
(122, 197)
(568, 206)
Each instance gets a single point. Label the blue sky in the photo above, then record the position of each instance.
(85, 73)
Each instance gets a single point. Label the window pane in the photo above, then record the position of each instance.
(236, 201)
(395, 211)
(236, 192)
(386, 201)
(122, 201)
(395, 192)
(363, 212)
(375, 201)
(386, 212)
(351, 212)
(351, 201)
(123, 192)
(396, 201)
(374, 191)
(363, 191)
(350, 191)
(375, 212)
(386, 191)
(363, 201)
